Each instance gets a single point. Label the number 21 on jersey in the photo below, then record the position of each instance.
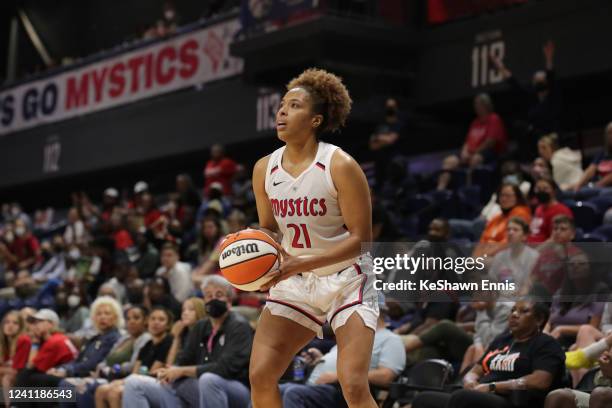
(298, 231)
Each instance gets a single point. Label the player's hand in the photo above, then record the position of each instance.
(289, 266)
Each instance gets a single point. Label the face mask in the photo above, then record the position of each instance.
(543, 197)
(9, 237)
(74, 253)
(216, 308)
(540, 86)
(20, 231)
(74, 301)
(511, 179)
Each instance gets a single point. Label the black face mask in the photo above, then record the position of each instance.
(216, 308)
(543, 197)
(540, 86)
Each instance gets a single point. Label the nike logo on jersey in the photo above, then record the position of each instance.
(276, 184)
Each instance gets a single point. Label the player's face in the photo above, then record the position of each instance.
(294, 119)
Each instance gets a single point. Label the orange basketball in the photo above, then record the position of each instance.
(246, 257)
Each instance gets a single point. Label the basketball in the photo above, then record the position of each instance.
(246, 257)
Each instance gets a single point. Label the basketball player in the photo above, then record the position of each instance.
(316, 196)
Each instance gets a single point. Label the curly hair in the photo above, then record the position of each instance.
(330, 98)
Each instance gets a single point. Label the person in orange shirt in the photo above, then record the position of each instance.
(513, 204)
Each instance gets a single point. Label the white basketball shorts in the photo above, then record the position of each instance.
(310, 300)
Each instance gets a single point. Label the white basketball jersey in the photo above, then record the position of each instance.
(306, 207)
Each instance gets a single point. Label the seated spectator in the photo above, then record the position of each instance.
(242, 195)
(212, 369)
(193, 311)
(110, 202)
(50, 349)
(145, 256)
(384, 141)
(219, 168)
(576, 303)
(451, 341)
(205, 251)
(548, 207)
(516, 371)
(22, 249)
(599, 171)
(14, 350)
(600, 397)
(157, 294)
(140, 188)
(54, 267)
(120, 233)
(124, 354)
(75, 232)
(147, 209)
(515, 263)
(566, 163)
(151, 358)
(107, 318)
(550, 268)
(513, 205)
(383, 228)
(321, 389)
(485, 142)
(176, 272)
(72, 307)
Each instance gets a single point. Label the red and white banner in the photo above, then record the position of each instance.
(186, 60)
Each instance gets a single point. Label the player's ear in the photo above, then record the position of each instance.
(316, 121)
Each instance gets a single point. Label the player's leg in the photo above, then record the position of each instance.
(277, 341)
(355, 342)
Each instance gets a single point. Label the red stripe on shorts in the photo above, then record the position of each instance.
(305, 313)
(358, 301)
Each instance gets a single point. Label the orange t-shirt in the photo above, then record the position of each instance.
(495, 231)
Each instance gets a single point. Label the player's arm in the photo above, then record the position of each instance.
(356, 208)
(267, 223)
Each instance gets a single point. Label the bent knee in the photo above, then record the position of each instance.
(260, 378)
(561, 396)
(208, 379)
(601, 395)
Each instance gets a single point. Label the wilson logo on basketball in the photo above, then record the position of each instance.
(301, 207)
(241, 249)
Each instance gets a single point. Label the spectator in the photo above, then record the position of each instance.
(243, 197)
(550, 268)
(213, 364)
(512, 204)
(55, 265)
(545, 110)
(72, 307)
(176, 272)
(384, 141)
(383, 227)
(219, 169)
(566, 163)
(23, 251)
(576, 303)
(148, 210)
(192, 312)
(50, 349)
(321, 389)
(120, 233)
(187, 193)
(124, 354)
(600, 397)
(210, 235)
(524, 361)
(151, 358)
(485, 142)
(140, 188)
(75, 232)
(515, 263)
(600, 170)
(14, 350)
(110, 202)
(548, 208)
(146, 256)
(157, 294)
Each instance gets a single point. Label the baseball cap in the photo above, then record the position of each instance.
(111, 192)
(46, 314)
(140, 187)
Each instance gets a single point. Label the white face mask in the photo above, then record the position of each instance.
(20, 231)
(9, 237)
(74, 301)
(74, 253)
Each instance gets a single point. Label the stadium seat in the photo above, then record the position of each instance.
(606, 231)
(587, 215)
(593, 237)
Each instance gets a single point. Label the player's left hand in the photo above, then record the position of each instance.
(289, 266)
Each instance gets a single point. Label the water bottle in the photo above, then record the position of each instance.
(144, 370)
(117, 371)
(299, 367)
